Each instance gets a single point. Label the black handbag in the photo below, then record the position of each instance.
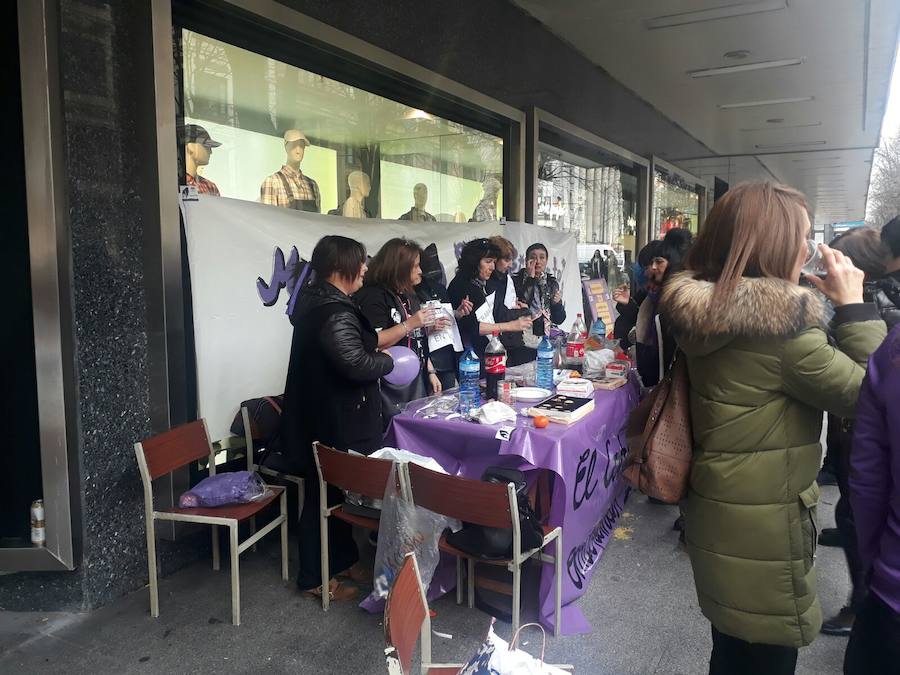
(494, 543)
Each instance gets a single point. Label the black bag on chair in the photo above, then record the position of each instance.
(496, 543)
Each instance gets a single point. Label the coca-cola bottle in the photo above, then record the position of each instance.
(575, 341)
(494, 365)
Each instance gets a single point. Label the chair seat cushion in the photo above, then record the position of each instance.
(239, 512)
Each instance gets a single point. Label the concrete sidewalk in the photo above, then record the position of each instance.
(641, 603)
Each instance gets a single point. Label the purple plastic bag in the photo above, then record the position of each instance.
(237, 487)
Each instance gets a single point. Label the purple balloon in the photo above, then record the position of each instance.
(406, 366)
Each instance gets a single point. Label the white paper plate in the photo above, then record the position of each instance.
(531, 393)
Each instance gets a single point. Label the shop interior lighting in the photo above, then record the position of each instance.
(416, 114)
(771, 101)
(745, 67)
(715, 13)
(795, 144)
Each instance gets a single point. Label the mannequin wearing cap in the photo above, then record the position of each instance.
(360, 186)
(197, 151)
(288, 187)
(487, 207)
(417, 213)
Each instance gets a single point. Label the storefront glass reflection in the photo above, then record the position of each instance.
(281, 135)
(596, 203)
(676, 203)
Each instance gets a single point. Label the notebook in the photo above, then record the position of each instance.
(563, 409)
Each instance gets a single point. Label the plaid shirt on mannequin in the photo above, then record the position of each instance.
(272, 191)
(203, 185)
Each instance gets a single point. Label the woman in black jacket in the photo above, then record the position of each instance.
(389, 301)
(540, 290)
(507, 307)
(476, 265)
(331, 395)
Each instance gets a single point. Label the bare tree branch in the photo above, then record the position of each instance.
(884, 192)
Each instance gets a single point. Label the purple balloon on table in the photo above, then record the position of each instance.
(406, 366)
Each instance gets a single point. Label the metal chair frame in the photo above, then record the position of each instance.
(325, 511)
(391, 654)
(236, 547)
(514, 564)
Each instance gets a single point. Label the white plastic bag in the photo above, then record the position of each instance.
(496, 656)
(405, 528)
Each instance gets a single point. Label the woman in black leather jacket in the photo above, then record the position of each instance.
(331, 395)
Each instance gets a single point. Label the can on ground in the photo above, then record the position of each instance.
(38, 527)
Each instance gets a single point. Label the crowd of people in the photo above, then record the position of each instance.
(768, 350)
(346, 318)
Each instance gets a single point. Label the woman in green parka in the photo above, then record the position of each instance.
(762, 371)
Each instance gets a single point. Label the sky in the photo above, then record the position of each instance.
(890, 126)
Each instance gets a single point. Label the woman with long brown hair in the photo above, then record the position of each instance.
(388, 300)
(761, 373)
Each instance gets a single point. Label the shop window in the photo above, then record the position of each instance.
(595, 199)
(360, 154)
(676, 203)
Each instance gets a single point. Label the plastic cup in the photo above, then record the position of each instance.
(814, 262)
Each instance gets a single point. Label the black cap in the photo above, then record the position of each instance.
(194, 133)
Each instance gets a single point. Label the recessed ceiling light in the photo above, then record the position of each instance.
(744, 68)
(715, 13)
(737, 54)
(772, 101)
(775, 120)
(786, 126)
(796, 144)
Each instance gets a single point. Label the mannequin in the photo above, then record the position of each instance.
(198, 148)
(288, 187)
(487, 207)
(417, 213)
(360, 186)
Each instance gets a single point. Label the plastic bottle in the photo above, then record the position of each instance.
(494, 365)
(598, 330)
(469, 374)
(545, 354)
(575, 342)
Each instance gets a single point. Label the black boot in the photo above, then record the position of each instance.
(841, 624)
(831, 536)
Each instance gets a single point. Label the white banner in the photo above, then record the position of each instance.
(243, 345)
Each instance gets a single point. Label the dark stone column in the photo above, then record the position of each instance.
(109, 154)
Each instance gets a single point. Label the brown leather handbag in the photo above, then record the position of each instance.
(659, 439)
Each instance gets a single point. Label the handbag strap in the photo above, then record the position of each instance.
(515, 637)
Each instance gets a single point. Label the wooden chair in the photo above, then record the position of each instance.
(170, 450)
(405, 619)
(489, 505)
(355, 473)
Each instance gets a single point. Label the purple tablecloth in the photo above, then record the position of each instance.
(588, 495)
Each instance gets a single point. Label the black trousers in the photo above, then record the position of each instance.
(874, 647)
(843, 514)
(342, 549)
(733, 656)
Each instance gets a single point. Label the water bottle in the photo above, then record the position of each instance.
(469, 374)
(545, 354)
(598, 330)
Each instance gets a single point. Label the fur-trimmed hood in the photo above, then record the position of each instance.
(760, 307)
